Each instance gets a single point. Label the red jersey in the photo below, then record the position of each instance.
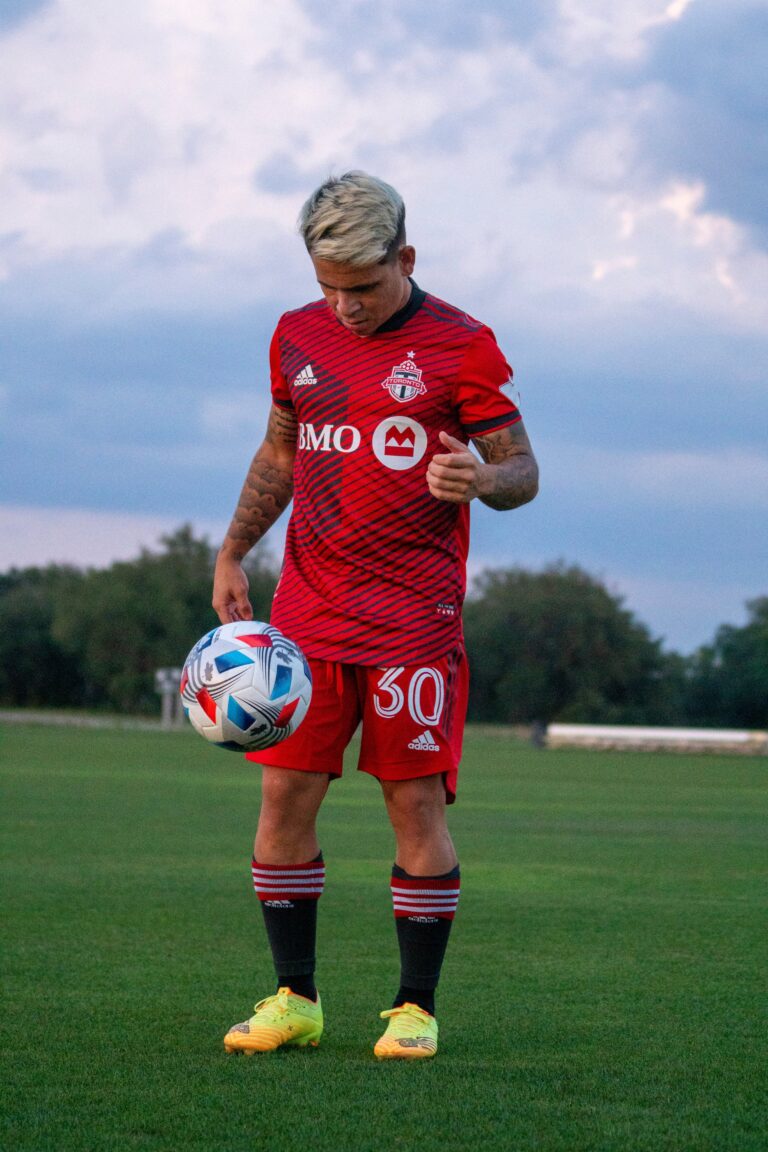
(375, 567)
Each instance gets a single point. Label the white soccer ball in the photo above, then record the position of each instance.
(246, 686)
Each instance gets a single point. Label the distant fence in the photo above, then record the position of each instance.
(620, 736)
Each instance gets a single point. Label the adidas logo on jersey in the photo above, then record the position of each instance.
(305, 377)
(424, 743)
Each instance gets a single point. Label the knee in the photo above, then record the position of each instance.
(417, 807)
(290, 798)
(289, 804)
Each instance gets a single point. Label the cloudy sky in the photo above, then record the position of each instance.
(586, 176)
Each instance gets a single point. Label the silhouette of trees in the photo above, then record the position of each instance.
(94, 638)
(557, 645)
(549, 645)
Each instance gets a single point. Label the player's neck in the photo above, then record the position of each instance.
(414, 301)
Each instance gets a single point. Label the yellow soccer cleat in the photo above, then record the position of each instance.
(411, 1034)
(284, 1020)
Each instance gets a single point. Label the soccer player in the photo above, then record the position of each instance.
(376, 391)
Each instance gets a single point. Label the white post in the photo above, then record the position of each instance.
(167, 682)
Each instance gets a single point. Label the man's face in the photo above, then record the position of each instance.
(363, 299)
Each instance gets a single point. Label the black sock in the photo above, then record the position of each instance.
(288, 894)
(424, 908)
(301, 985)
(422, 997)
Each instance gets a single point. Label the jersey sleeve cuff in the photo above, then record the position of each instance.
(492, 425)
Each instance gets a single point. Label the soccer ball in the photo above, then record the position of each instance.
(246, 686)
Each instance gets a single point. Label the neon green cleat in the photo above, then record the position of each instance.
(284, 1020)
(411, 1034)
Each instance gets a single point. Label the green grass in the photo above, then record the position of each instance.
(603, 989)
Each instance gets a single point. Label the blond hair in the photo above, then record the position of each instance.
(353, 219)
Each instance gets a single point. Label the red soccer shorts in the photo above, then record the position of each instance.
(412, 718)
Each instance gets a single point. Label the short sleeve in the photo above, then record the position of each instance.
(482, 404)
(278, 383)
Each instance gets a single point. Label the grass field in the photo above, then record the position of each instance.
(604, 988)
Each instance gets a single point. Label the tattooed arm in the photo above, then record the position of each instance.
(266, 493)
(506, 477)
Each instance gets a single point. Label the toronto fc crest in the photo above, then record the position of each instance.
(404, 381)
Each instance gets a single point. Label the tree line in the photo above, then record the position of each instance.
(543, 646)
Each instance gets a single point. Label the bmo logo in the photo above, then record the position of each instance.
(343, 438)
(399, 443)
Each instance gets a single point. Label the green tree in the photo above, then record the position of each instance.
(557, 645)
(35, 669)
(728, 679)
(127, 620)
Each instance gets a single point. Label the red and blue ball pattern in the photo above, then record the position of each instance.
(245, 686)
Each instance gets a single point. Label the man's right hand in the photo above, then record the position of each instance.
(230, 591)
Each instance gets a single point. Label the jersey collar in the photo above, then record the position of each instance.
(404, 314)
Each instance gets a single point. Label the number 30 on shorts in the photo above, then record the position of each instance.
(425, 689)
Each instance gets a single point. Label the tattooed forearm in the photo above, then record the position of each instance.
(268, 487)
(515, 482)
(514, 476)
(266, 493)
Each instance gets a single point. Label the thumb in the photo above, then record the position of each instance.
(452, 443)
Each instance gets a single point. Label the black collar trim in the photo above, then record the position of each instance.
(401, 317)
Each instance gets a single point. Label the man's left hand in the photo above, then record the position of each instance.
(456, 474)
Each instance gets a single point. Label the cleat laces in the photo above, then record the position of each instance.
(401, 1019)
(274, 1006)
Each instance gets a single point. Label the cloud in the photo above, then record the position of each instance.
(585, 175)
(603, 28)
(722, 274)
(33, 537)
(165, 152)
(139, 115)
(156, 415)
(686, 612)
(230, 419)
(720, 478)
(707, 125)
(683, 609)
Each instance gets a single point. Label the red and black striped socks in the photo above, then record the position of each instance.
(424, 908)
(289, 895)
